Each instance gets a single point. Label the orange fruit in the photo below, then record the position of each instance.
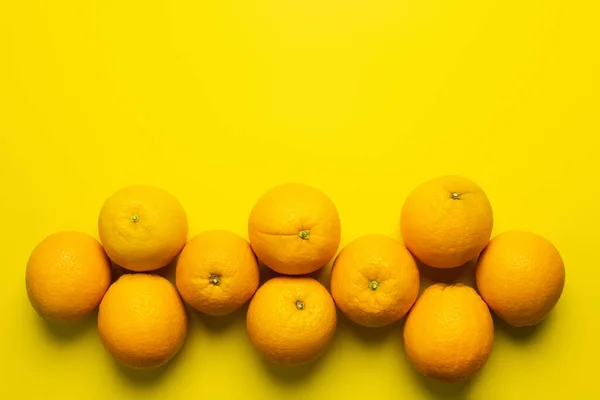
(67, 274)
(217, 272)
(449, 333)
(521, 276)
(291, 320)
(374, 280)
(446, 221)
(142, 228)
(294, 229)
(142, 321)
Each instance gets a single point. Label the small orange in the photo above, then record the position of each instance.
(142, 228)
(67, 274)
(294, 229)
(521, 276)
(291, 320)
(449, 333)
(142, 321)
(446, 221)
(217, 272)
(374, 280)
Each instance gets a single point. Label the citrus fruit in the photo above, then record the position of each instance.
(374, 280)
(449, 333)
(521, 276)
(446, 221)
(142, 321)
(291, 320)
(217, 272)
(294, 229)
(67, 274)
(142, 228)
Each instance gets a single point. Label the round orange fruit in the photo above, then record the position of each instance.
(446, 221)
(142, 228)
(217, 272)
(67, 274)
(142, 321)
(521, 276)
(374, 280)
(294, 229)
(291, 320)
(449, 333)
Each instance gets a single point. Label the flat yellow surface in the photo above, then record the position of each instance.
(218, 100)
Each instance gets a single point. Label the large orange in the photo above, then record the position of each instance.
(217, 272)
(291, 320)
(449, 333)
(67, 274)
(142, 321)
(294, 229)
(521, 276)
(446, 221)
(374, 280)
(142, 228)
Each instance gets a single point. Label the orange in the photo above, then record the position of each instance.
(294, 229)
(142, 321)
(374, 280)
(446, 221)
(449, 333)
(291, 320)
(521, 276)
(217, 272)
(142, 228)
(67, 274)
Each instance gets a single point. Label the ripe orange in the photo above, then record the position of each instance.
(374, 280)
(67, 274)
(294, 229)
(291, 320)
(142, 228)
(142, 321)
(449, 333)
(521, 276)
(217, 272)
(446, 221)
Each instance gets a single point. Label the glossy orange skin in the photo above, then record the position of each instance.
(142, 228)
(449, 333)
(217, 272)
(142, 321)
(521, 276)
(284, 331)
(374, 280)
(67, 274)
(446, 221)
(281, 217)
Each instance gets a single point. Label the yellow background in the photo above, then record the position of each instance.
(217, 100)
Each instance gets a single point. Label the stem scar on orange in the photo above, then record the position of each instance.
(294, 229)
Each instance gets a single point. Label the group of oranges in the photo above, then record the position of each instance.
(295, 230)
